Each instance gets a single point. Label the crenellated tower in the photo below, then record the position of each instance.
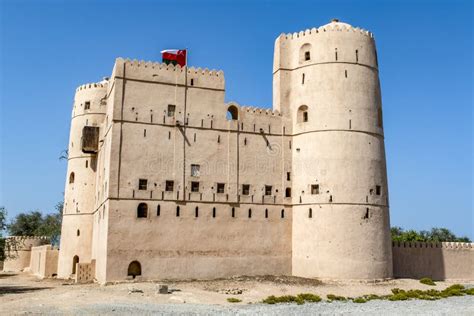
(79, 195)
(327, 81)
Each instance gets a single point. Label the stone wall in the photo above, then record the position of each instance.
(439, 261)
(44, 261)
(19, 251)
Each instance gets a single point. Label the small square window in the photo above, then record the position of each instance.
(268, 190)
(315, 189)
(378, 190)
(195, 170)
(195, 186)
(245, 189)
(171, 110)
(87, 105)
(142, 184)
(169, 185)
(220, 187)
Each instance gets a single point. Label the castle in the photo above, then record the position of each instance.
(167, 181)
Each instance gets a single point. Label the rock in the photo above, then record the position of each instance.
(162, 289)
(134, 290)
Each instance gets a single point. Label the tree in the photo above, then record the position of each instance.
(434, 235)
(3, 225)
(37, 224)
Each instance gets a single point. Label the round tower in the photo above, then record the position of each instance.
(326, 80)
(79, 194)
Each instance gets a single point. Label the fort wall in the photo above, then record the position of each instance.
(44, 261)
(19, 251)
(438, 261)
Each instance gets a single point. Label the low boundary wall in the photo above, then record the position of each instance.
(439, 261)
(44, 261)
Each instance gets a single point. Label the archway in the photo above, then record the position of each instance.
(75, 261)
(134, 269)
(142, 210)
(232, 113)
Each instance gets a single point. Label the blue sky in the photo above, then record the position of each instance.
(425, 56)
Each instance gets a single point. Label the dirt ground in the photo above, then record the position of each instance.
(24, 294)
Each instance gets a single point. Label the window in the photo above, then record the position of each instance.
(195, 186)
(357, 56)
(232, 113)
(171, 110)
(378, 190)
(78, 233)
(213, 212)
(233, 212)
(266, 213)
(302, 79)
(87, 105)
(134, 269)
(158, 210)
(315, 189)
(142, 210)
(71, 177)
(169, 186)
(177, 211)
(192, 82)
(196, 212)
(310, 213)
(268, 190)
(250, 213)
(304, 53)
(288, 176)
(282, 214)
(220, 187)
(87, 163)
(302, 115)
(379, 118)
(288, 192)
(245, 189)
(195, 170)
(142, 184)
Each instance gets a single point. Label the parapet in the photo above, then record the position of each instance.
(17, 243)
(334, 26)
(446, 245)
(254, 110)
(171, 74)
(101, 84)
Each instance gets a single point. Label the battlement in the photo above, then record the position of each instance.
(334, 26)
(446, 245)
(254, 110)
(23, 238)
(168, 73)
(95, 85)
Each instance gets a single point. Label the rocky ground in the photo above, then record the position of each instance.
(24, 294)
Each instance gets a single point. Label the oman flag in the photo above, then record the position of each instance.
(174, 56)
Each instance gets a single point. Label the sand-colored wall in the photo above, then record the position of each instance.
(340, 148)
(44, 261)
(19, 251)
(203, 247)
(439, 261)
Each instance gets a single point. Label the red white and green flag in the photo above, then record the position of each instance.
(174, 56)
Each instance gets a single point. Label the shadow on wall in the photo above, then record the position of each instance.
(438, 261)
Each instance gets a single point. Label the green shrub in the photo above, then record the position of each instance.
(469, 291)
(332, 297)
(308, 297)
(402, 296)
(359, 300)
(233, 300)
(427, 281)
(299, 299)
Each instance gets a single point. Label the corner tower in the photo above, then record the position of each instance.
(79, 194)
(326, 80)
